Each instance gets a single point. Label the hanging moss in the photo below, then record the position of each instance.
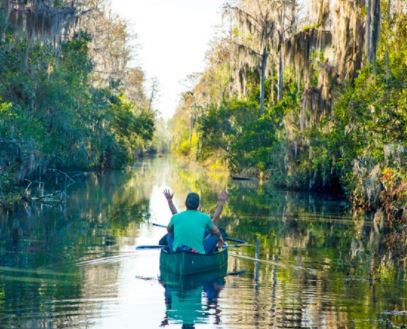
(299, 48)
(348, 37)
(319, 12)
(40, 20)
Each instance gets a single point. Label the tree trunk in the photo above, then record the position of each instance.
(372, 30)
(263, 78)
(386, 55)
(191, 127)
(368, 29)
(26, 55)
(152, 95)
(280, 56)
(280, 75)
(6, 14)
(272, 97)
(376, 14)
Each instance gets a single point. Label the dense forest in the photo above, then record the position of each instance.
(69, 98)
(305, 95)
(309, 96)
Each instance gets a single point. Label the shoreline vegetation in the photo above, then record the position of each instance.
(312, 103)
(315, 103)
(69, 99)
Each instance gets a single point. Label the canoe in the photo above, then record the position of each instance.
(187, 263)
(188, 282)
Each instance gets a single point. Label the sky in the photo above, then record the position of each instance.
(172, 39)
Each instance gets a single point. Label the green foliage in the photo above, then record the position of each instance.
(371, 125)
(357, 145)
(181, 141)
(53, 115)
(246, 139)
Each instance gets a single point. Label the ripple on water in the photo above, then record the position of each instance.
(78, 268)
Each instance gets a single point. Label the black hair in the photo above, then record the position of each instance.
(192, 201)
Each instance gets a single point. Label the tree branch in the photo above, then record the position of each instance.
(247, 49)
(249, 19)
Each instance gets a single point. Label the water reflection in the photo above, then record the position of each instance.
(316, 265)
(192, 299)
(41, 285)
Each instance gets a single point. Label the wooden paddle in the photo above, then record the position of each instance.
(225, 238)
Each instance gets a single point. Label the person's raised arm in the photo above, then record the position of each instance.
(222, 198)
(168, 195)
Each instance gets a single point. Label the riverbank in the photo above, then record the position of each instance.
(380, 190)
(48, 186)
(51, 188)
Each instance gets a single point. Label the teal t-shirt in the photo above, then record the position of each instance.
(189, 229)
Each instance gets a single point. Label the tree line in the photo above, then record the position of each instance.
(311, 98)
(69, 98)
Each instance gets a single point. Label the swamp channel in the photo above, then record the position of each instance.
(309, 261)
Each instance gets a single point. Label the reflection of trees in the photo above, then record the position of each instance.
(184, 177)
(326, 269)
(40, 248)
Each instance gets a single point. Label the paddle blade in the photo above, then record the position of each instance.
(150, 247)
(159, 225)
(234, 240)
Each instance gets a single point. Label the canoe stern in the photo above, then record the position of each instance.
(186, 263)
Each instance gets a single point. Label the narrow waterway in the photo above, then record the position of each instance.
(75, 266)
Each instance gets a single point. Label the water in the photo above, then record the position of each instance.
(316, 265)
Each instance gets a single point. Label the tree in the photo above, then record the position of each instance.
(373, 13)
(260, 25)
(52, 113)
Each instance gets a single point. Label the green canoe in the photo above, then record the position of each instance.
(187, 263)
(192, 281)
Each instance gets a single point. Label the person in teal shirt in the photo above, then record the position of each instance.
(187, 229)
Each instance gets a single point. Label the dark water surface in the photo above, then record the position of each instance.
(75, 266)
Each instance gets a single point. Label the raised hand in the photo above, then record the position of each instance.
(223, 196)
(168, 195)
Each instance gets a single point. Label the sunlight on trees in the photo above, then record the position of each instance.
(315, 102)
